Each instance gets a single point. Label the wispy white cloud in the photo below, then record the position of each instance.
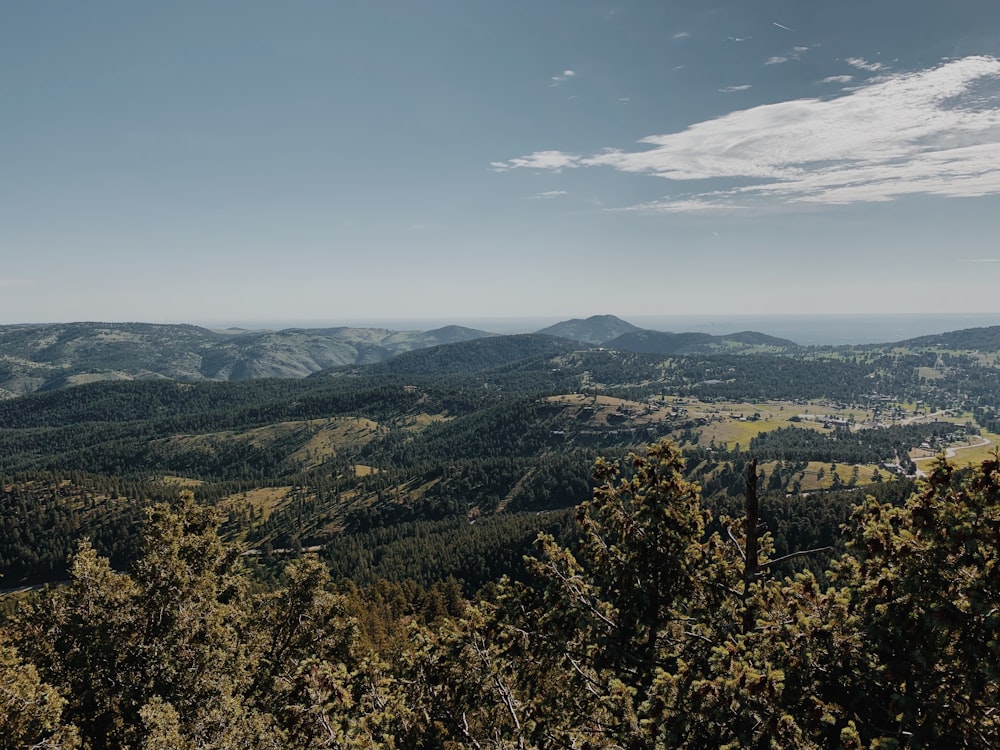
(861, 64)
(681, 35)
(738, 39)
(549, 194)
(781, 26)
(564, 76)
(794, 54)
(554, 160)
(838, 79)
(931, 132)
(731, 89)
(624, 99)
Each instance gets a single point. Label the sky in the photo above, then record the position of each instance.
(348, 160)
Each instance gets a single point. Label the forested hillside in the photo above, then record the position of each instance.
(657, 342)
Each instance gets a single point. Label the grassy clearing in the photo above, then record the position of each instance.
(568, 398)
(728, 429)
(263, 499)
(421, 421)
(318, 439)
(766, 409)
(333, 435)
(729, 433)
(185, 482)
(819, 476)
(581, 399)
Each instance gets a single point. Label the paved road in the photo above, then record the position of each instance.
(950, 453)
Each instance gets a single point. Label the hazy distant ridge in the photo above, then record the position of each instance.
(593, 330)
(54, 356)
(985, 339)
(50, 356)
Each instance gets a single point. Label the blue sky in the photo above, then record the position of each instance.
(339, 160)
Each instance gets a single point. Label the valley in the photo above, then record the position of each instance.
(494, 427)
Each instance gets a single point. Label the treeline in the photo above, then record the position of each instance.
(660, 625)
(763, 377)
(874, 446)
(169, 406)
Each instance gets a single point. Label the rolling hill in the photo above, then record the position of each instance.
(593, 330)
(53, 356)
(657, 342)
(986, 339)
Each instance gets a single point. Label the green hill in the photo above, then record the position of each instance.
(986, 339)
(593, 330)
(657, 342)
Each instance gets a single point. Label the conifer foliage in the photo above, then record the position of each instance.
(648, 632)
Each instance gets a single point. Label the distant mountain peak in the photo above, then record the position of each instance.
(593, 330)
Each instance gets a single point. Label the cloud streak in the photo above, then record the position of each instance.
(554, 160)
(795, 54)
(932, 132)
(564, 76)
(862, 64)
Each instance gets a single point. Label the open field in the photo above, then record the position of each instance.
(730, 423)
(729, 431)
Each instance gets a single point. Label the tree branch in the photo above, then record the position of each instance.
(793, 555)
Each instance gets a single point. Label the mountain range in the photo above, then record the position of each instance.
(51, 356)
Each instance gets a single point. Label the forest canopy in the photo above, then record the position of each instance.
(651, 629)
